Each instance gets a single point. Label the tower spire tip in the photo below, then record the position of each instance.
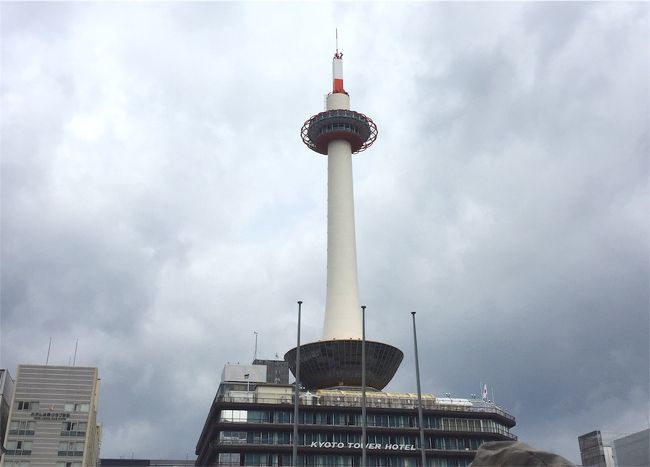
(337, 54)
(336, 31)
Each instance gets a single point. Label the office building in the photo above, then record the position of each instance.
(596, 449)
(613, 449)
(6, 392)
(633, 450)
(53, 418)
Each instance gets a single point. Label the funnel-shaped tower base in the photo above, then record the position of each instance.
(327, 364)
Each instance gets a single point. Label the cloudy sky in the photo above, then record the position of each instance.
(159, 206)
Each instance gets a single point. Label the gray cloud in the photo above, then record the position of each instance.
(158, 204)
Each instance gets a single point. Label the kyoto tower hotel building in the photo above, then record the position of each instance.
(254, 420)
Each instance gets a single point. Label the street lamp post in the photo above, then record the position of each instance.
(420, 416)
(296, 398)
(364, 421)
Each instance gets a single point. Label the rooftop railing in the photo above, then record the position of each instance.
(429, 403)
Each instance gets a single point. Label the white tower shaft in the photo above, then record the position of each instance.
(342, 313)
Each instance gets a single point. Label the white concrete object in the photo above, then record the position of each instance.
(342, 312)
(338, 358)
(339, 132)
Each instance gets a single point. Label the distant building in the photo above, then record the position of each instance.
(6, 392)
(596, 450)
(53, 418)
(609, 449)
(633, 450)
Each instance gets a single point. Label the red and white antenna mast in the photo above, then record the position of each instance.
(337, 68)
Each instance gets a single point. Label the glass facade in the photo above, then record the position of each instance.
(330, 460)
(338, 418)
(256, 428)
(349, 440)
(331, 436)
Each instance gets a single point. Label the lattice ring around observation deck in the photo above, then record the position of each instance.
(360, 131)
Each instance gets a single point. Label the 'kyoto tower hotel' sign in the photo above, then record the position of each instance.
(335, 361)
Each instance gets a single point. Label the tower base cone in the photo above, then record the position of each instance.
(334, 363)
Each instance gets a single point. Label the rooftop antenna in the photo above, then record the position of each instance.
(74, 360)
(337, 41)
(337, 54)
(49, 346)
(255, 353)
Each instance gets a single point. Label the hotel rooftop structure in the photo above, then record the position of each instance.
(251, 423)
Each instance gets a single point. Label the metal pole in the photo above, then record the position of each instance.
(417, 374)
(255, 353)
(74, 360)
(364, 421)
(49, 346)
(296, 397)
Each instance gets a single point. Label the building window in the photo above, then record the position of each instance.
(74, 407)
(232, 437)
(22, 427)
(16, 464)
(73, 429)
(227, 458)
(71, 448)
(26, 405)
(19, 448)
(237, 416)
(68, 464)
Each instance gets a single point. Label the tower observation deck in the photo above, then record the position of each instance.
(335, 361)
(325, 127)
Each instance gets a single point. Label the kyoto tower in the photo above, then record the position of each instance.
(335, 361)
